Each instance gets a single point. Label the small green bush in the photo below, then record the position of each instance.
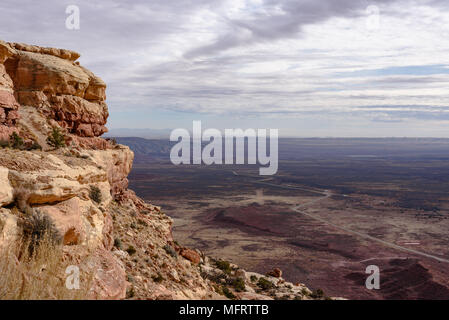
(238, 284)
(170, 251)
(264, 284)
(15, 141)
(158, 278)
(56, 138)
(130, 293)
(253, 278)
(118, 243)
(35, 146)
(224, 266)
(228, 293)
(131, 250)
(317, 294)
(304, 292)
(95, 194)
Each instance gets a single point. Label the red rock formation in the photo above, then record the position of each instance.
(8, 103)
(49, 79)
(190, 255)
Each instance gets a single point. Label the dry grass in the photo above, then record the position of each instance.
(39, 275)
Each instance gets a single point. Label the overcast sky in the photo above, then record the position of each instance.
(307, 67)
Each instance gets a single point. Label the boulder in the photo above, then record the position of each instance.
(276, 272)
(190, 255)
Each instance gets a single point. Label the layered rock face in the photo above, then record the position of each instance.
(50, 80)
(42, 89)
(8, 103)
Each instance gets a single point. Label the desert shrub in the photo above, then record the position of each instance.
(224, 266)
(238, 284)
(4, 144)
(253, 278)
(118, 243)
(40, 275)
(56, 138)
(15, 141)
(170, 251)
(131, 250)
(264, 284)
(36, 227)
(317, 294)
(130, 293)
(95, 194)
(143, 223)
(35, 146)
(228, 293)
(158, 278)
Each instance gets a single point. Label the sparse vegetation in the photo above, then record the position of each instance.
(40, 275)
(253, 278)
(317, 294)
(264, 284)
(238, 284)
(15, 141)
(36, 227)
(228, 293)
(56, 138)
(224, 266)
(35, 146)
(130, 293)
(170, 251)
(95, 194)
(158, 278)
(118, 243)
(131, 250)
(304, 292)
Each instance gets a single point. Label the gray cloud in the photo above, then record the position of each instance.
(295, 14)
(194, 56)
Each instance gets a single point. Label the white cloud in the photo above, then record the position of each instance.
(253, 57)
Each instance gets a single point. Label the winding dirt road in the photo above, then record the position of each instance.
(325, 195)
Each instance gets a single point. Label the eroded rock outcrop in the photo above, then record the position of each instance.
(8, 103)
(50, 80)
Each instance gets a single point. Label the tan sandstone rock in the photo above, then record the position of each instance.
(6, 191)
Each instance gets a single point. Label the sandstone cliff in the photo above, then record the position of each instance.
(80, 183)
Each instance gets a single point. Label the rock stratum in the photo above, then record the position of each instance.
(81, 186)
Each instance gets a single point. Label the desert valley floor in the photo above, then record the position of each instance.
(335, 207)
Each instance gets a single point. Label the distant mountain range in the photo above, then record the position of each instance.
(143, 133)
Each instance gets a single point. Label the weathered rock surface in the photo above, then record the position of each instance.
(50, 80)
(8, 103)
(6, 191)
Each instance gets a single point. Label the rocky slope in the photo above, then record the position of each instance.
(79, 181)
